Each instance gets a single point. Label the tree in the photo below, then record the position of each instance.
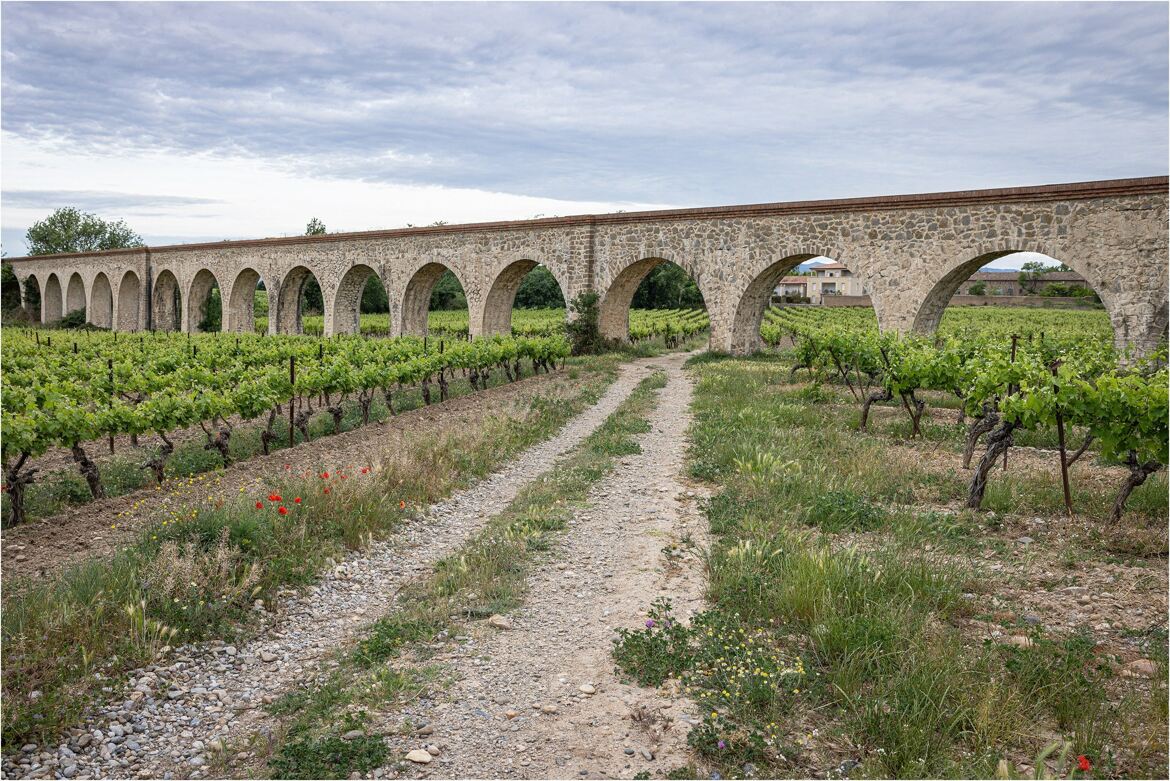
(1033, 270)
(448, 293)
(71, 230)
(667, 286)
(977, 289)
(374, 296)
(585, 329)
(9, 288)
(539, 290)
(311, 298)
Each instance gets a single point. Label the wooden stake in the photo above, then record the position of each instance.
(1060, 439)
(292, 379)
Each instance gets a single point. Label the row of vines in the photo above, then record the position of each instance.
(107, 384)
(673, 325)
(1011, 371)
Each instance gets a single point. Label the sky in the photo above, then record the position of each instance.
(198, 122)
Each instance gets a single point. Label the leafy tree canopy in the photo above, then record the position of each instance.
(72, 230)
(315, 228)
(539, 290)
(667, 286)
(448, 293)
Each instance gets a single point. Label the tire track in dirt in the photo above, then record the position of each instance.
(518, 709)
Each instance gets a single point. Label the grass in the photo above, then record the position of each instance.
(840, 549)
(484, 577)
(196, 574)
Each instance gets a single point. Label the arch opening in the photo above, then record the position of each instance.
(1008, 278)
(204, 305)
(650, 283)
(166, 303)
(129, 302)
(247, 307)
(434, 287)
(523, 284)
(361, 292)
(797, 281)
(101, 302)
(31, 297)
(51, 302)
(300, 295)
(74, 294)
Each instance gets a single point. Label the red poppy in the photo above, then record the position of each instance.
(297, 500)
(282, 510)
(401, 504)
(274, 497)
(326, 490)
(365, 469)
(324, 475)
(288, 466)
(1083, 763)
(259, 505)
(343, 476)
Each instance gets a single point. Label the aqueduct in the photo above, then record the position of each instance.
(910, 253)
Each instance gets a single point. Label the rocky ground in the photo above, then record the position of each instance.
(174, 716)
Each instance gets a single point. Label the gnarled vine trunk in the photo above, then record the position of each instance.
(1138, 472)
(16, 479)
(89, 471)
(882, 395)
(157, 464)
(980, 426)
(998, 441)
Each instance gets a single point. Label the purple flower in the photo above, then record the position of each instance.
(722, 744)
(649, 623)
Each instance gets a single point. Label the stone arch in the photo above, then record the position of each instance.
(198, 297)
(166, 302)
(101, 302)
(928, 313)
(288, 301)
(51, 300)
(239, 314)
(497, 306)
(753, 302)
(616, 299)
(129, 302)
(74, 293)
(346, 308)
(416, 298)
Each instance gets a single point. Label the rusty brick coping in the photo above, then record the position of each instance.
(1076, 191)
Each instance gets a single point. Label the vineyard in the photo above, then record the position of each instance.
(101, 385)
(673, 325)
(1012, 371)
(867, 566)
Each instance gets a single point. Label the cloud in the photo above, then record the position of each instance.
(683, 104)
(101, 201)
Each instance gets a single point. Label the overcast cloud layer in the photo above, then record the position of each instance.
(233, 120)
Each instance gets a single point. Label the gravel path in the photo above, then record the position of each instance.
(173, 716)
(541, 700)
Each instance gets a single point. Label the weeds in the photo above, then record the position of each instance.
(874, 623)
